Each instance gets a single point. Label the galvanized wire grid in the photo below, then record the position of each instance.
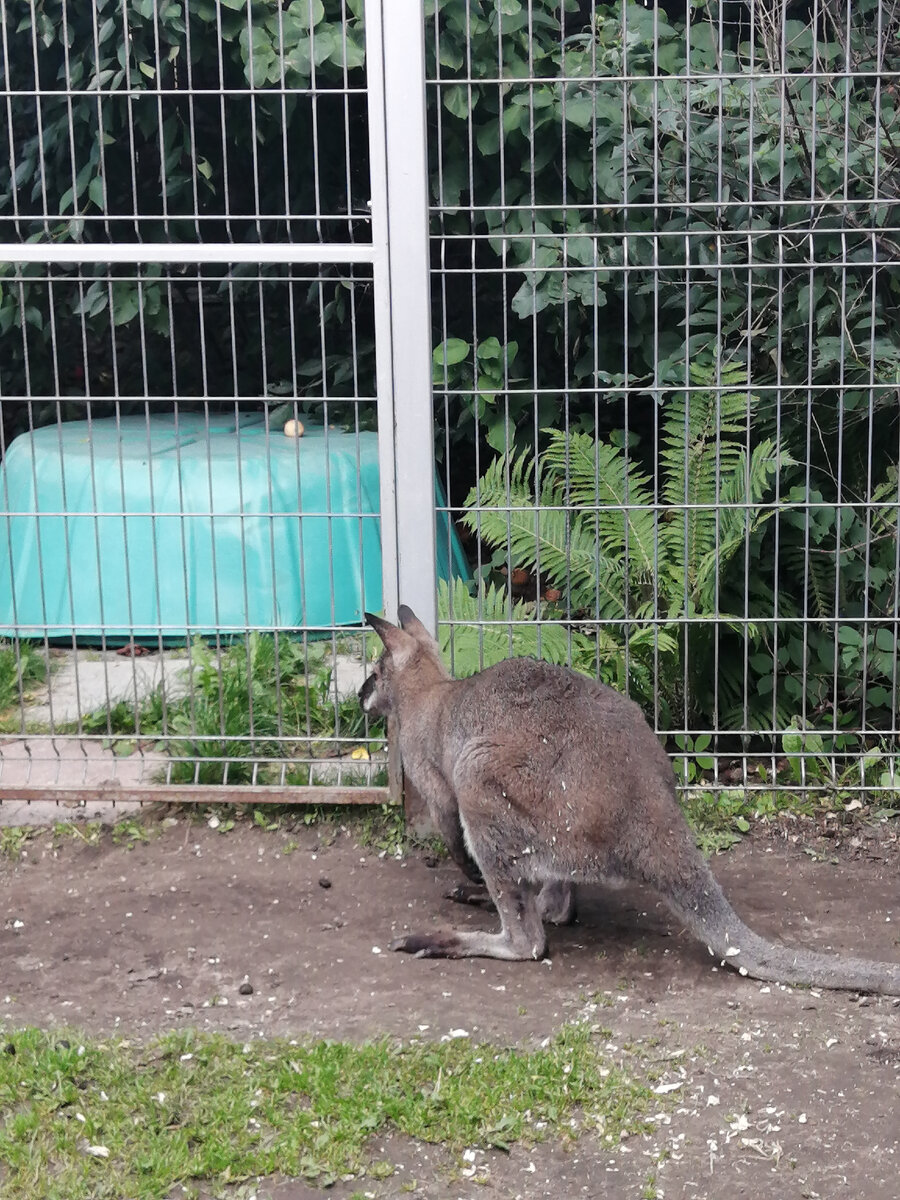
(617, 194)
(640, 223)
(245, 714)
(151, 121)
(135, 136)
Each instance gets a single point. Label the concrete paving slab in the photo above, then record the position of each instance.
(73, 762)
(48, 812)
(86, 681)
(348, 674)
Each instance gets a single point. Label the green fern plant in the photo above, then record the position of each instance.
(584, 515)
(478, 628)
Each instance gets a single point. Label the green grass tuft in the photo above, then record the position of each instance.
(22, 669)
(249, 702)
(103, 1119)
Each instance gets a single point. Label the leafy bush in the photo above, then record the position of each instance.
(658, 195)
(585, 517)
(131, 154)
(612, 143)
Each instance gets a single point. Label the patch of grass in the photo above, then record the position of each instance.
(88, 832)
(720, 819)
(129, 831)
(815, 773)
(104, 1119)
(13, 839)
(119, 718)
(22, 669)
(247, 703)
(380, 828)
(377, 827)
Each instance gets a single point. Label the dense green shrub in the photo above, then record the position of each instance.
(134, 154)
(666, 150)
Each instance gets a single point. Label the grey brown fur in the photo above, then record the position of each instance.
(539, 779)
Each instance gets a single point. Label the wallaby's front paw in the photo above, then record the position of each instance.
(470, 869)
(427, 945)
(470, 893)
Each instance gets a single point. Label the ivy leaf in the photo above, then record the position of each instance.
(456, 100)
(95, 192)
(581, 111)
(260, 56)
(126, 303)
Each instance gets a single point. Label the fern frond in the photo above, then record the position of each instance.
(817, 568)
(470, 645)
(704, 435)
(741, 513)
(547, 534)
(597, 475)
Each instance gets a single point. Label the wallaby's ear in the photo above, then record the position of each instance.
(397, 643)
(380, 625)
(411, 624)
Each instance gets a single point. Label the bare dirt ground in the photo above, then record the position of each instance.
(775, 1092)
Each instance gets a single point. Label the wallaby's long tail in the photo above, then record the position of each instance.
(708, 914)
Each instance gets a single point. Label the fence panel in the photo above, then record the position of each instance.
(665, 247)
(198, 437)
(665, 289)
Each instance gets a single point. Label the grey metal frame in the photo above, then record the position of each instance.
(397, 223)
(419, 253)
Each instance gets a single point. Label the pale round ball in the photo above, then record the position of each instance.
(293, 428)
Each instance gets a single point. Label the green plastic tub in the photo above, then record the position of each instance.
(179, 525)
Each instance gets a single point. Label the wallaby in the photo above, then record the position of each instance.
(539, 779)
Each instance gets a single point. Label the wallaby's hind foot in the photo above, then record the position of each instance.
(521, 933)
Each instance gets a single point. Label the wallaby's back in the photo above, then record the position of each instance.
(572, 753)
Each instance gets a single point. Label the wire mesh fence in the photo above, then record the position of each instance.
(155, 571)
(151, 121)
(666, 374)
(665, 292)
(190, 477)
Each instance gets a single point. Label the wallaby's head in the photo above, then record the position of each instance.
(411, 660)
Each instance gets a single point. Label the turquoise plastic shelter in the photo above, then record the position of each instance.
(188, 523)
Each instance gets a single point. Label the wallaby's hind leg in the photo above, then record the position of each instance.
(557, 902)
(521, 933)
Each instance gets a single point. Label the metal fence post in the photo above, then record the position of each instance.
(395, 56)
(398, 156)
